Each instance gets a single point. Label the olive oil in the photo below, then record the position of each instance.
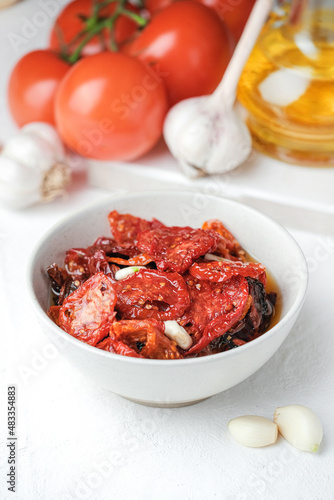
(287, 87)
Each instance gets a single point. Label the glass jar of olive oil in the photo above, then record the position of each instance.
(287, 86)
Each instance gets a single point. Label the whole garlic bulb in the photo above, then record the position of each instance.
(32, 166)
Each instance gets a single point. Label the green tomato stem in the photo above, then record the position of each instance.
(94, 26)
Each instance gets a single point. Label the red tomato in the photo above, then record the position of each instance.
(70, 23)
(32, 86)
(110, 106)
(154, 6)
(188, 46)
(234, 13)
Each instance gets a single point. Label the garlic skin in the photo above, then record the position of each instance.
(253, 431)
(32, 167)
(300, 426)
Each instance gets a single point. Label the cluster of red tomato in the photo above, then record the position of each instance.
(110, 75)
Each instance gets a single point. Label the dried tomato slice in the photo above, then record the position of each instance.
(150, 293)
(111, 345)
(236, 307)
(139, 260)
(176, 248)
(81, 262)
(223, 270)
(228, 246)
(146, 338)
(125, 227)
(209, 300)
(111, 247)
(89, 311)
(53, 314)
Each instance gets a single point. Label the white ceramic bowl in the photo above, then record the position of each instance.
(185, 381)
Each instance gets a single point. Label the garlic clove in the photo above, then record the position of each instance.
(19, 187)
(49, 134)
(176, 332)
(29, 150)
(127, 271)
(18, 200)
(300, 426)
(253, 431)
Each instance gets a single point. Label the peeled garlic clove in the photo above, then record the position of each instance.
(29, 150)
(300, 426)
(176, 332)
(49, 134)
(253, 431)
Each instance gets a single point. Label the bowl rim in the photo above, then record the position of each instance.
(32, 261)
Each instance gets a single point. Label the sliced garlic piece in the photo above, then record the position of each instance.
(176, 332)
(300, 426)
(211, 256)
(253, 431)
(127, 271)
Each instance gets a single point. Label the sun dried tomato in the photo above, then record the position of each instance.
(150, 293)
(260, 312)
(57, 274)
(70, 285)
(235, 309)
(81, 262)
(228, 246)
(112, 248)
(53, 314)
(89, 311)
(223, 270)
(117, 347)
(208, 300)
(125, 227)
(146, 338)
(176, 248)
(139, 260)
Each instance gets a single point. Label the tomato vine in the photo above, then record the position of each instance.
(94, 25)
